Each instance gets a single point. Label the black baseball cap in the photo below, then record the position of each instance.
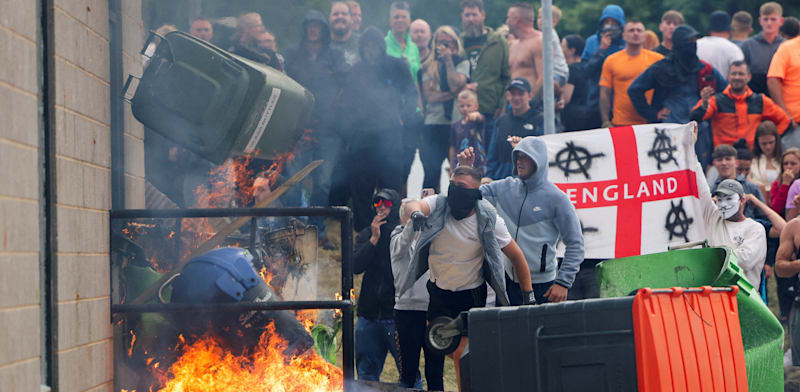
(719, 21)
(520, 83)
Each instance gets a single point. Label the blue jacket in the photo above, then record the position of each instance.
(593, 58)
(593, 42)
(537, 214)
(492, 262)
(680, 100)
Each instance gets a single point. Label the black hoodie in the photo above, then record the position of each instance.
(323, 75)
(682, 63)
(376, 300)
(380, 95)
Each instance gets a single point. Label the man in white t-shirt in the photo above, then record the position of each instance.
(727, 226)
(462, 244)
(715, 48)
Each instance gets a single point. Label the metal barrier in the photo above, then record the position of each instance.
(346, 305)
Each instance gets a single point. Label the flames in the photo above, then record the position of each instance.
(205, 365)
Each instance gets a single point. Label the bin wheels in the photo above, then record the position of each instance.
(443, 335)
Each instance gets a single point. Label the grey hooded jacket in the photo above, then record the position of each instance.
(537, 213)
(402, 249)
(493, 270)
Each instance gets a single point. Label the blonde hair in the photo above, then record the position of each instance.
(431, 66)
(556, 13)
(467, 94)
(771, 8)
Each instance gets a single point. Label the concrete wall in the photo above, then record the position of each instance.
(83, 189)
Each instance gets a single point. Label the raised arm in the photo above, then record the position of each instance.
(777, 221)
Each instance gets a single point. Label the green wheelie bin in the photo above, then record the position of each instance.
(762, 334)
(218, 104)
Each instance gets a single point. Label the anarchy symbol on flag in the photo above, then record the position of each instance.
(635, 185)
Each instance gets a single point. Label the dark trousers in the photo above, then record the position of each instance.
(375, 161)
(585, 284)
(434, 150)
(515, 292)
(410, 326)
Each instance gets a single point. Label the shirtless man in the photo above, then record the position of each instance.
(525, 53)
(787, 266)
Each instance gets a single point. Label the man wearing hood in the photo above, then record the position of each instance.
(375, 326)
(607, 41)
(319, 68)
(677, 82)
(378, 94)
(462, 241)
(537, 214)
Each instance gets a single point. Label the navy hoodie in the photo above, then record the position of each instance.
(537, 214)
(323, 75)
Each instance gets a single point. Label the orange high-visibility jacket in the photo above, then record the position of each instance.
(737, 116)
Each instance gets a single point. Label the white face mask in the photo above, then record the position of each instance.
(728, 205)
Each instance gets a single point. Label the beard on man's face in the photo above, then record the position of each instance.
(473, 30)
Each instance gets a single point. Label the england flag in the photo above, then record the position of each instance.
(634, 188)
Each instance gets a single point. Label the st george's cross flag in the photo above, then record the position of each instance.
(634, 188)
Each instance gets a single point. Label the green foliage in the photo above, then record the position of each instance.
(284, 17)
(325, 341)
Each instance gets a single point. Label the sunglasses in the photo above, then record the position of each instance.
(382, 202)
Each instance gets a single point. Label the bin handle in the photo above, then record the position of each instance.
(702, 243)
(167, 283)
(127, 85)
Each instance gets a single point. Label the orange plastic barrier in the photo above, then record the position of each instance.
(688, 340)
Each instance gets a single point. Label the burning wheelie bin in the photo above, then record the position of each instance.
(762, 334)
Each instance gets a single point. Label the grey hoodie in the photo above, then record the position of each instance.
(402, 250)
(537, 213)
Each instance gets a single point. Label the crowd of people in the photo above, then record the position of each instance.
(472, 95)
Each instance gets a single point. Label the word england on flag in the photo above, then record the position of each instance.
(634, 188)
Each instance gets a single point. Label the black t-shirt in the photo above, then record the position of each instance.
(472, 47)
(528, 124)
(579, 79)
(578, 114)
(663, 50)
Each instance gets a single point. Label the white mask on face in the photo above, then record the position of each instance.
(728, 205)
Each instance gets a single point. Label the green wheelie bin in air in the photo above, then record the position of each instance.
(762, 333)
(218, 104)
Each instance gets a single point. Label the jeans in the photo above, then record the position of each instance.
(515, 292)
(585, 284)
(374, 339)
(411, 325)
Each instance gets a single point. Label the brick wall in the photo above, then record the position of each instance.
(83, 189)
(19, 200)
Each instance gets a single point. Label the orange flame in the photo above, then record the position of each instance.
(133, 340)
(206, 365)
